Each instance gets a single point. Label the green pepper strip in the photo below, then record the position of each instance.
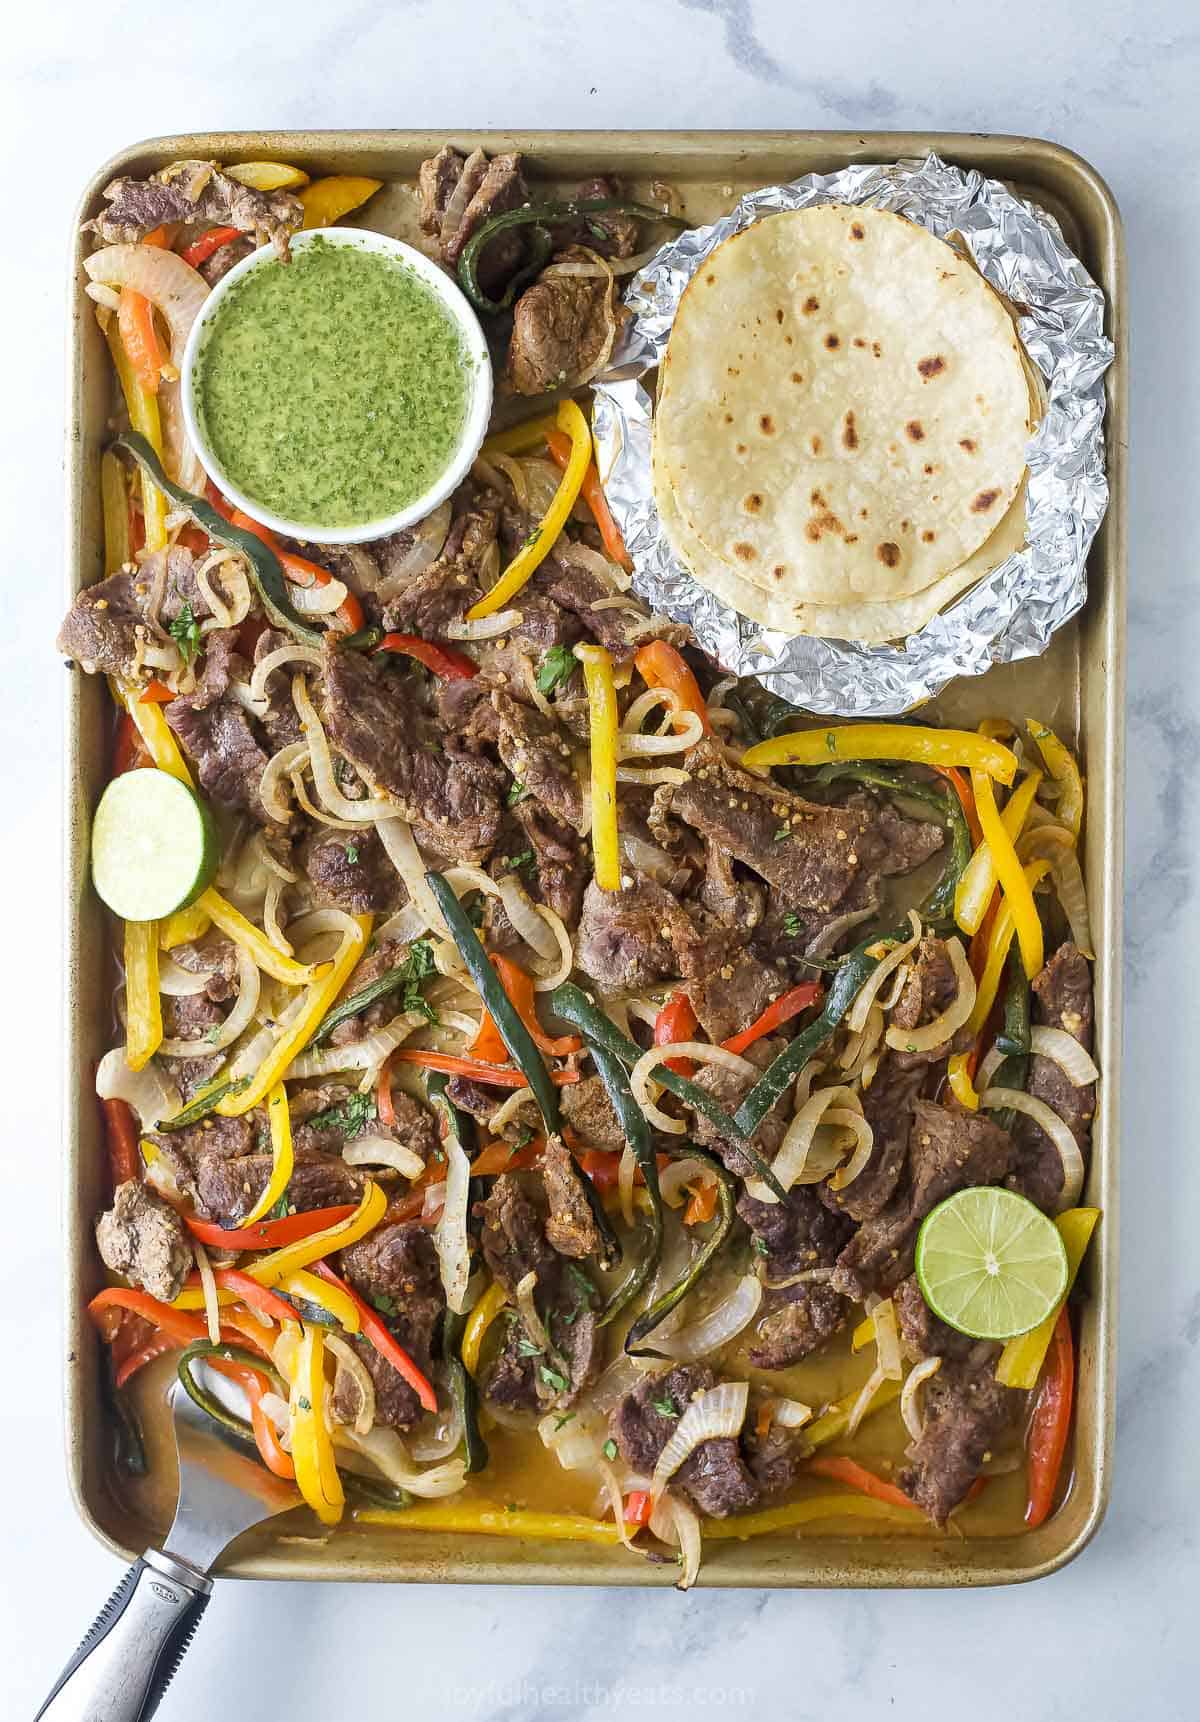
(847, 983)
(266, 571)
(205, 1102)
(939, 905)
(379, 988)
(537, 215)
(658, 1310)
(364, 641)
(463, 1392)
(128, 1445)
(1014, 1036)
(637, 1133)
(519, 1042)
(202, 1348)
(570, 1003)
(375, 1491)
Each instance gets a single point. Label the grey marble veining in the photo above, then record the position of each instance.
(1111, 1639)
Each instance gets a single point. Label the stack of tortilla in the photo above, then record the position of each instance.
(842, 421)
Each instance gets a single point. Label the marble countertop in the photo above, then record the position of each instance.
(1113, 1637)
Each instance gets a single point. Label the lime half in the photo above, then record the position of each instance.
(990, 1263)
(153, 846)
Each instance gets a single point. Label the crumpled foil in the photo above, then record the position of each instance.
(1014, 611)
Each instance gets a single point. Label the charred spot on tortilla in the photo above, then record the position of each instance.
(779, 314)
(888, 553)
(915, 429)
(932, 366)
(832, 341)
(753, 503)
(928, 537)
(815, 444)
(797, 377)
(985, 500)
(745, 552)
(741, 448)
(709, 280)
(856, 231)
(849, 433)
(766, 425)
(779, 570)
(811, 305)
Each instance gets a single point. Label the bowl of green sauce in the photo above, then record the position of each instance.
(339, 396)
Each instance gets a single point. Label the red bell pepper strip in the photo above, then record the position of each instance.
(962, 788)
(195, 539)
(163, 237)
(200, 250)
(784, 1008)
(179, 1325)
(489, 1044)
(121, 1137)
(676, 1021)
(497, 1076)
(128, 752)
(444, 661)
(856, 1476)
(139, 337)
(268, 1234)
(299, 568)
(156, 694)
(154, 1347)
(1051, 1422)
(637, 1507)
(259, 1298)
(503, 1157)
(661, 666)
(592, 492)
(249, 634)
(383, 1341)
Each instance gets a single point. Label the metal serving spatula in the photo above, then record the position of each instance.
(137, 1641)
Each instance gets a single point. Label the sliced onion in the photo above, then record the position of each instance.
(509, 1110)
(863, 1403)
(306, 805)
(358, 812)
(277, 1410)
(435, 1201)
(442, 1440)
(700, 1052)
(208, 1284)
(674, 1521)
(673, 1178)
(1065, 1051)
(789, 1162)
(147, 1090)
(1057, 845)
(621, 1376)
(911, 1409)
(805, 1277)
(534, 1326)
(177, 983)
(366, 1054)
(860, 1046)
(856, 1017)
(536, 696)
(388, 1455)
(280, 767)
(864, 1143)
(716, 1414)
(106, 296)
(234, 1025)
(526, 921)
(573, 1443)
(616, 1504)
(831, 933)
(382, 1151)
(685, 736)
(988, 1068)
(646, 776)
(719, 1326)
(322, 598)
(429, 540)
(450, 1237)
(224, 614)
(484, 627)
(948, 1022)
(1059, 1132)
(403, 927)
(626, 1172)
(547, 980)
(397, 838)
(265, 668)
(351, 1364)
(512, 470)
(887, 1339)
(584, 556)
(271, 927)
(790, 1413)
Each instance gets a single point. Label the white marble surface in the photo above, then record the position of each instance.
(1114, 1636)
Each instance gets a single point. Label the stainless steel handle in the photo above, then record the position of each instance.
(135, 1644)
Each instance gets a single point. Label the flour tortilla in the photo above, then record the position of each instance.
(842, 410)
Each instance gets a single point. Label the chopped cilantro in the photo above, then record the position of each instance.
(532, 539)
(791, 924)
(304, 1404)
(610, 1449)
(521, 1140)
(516, 862)
(666, 1407)
(351, 1116)
(418, 966)
(831, 740)
(185, 631)
(352, 853)
(760, 1245)
(553, 1379)
(556, 667)
(518, 792)
(383, 1303)
(584, 1290)
(527, 1348)
(279, 1211)
(783, 831)
(561, 1422)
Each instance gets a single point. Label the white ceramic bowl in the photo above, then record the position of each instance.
(478, 409)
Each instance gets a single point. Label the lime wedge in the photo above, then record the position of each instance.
(990, 1264)
(153, 846)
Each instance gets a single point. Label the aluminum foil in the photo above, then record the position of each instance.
(1014, 611)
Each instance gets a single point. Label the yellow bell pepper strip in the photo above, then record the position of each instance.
(297, 1036)
(958, 1075)
(545, 535)
(114, 501)
(143, 1007)
(863, 1335)
(1020, 1362)
(280, 1264)
(184, 927)
(243, 932)
(282, 1155)
(329, 1297)
(327, 200)
(1001, 938)
(1016, 888)
(519, 439)
(1060, 763)
(267, 175)
(157, 736)
(312, 1445)
(832, 1423)
(931, 747)
(478, 1322)
(978, 879)
(602, 708)
(144, 417)
(489, 1518)
(806, 1512)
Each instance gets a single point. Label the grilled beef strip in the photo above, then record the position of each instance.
(195, 192)
(396, 1270)
(560, 327)
(793, 1237)
(1062, 998)
(715, 1477)
(966, 1413)
(142, 1237)
(351, 870)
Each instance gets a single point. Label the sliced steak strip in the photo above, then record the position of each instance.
(226, 1190)
(195, 192)
(714, 1477)
(229, 762)
(396, 1269)
(588, 1111)
(966, 1412)
(1062, 998)
(540, 757)
(630, 938)
(101, 629)
(923, 1333)
(888, 1109)
(792, 1237)
(931, 988)
(560, 326)
(351, 870)
(143, 1238)
(735, 995)
(570, 1227)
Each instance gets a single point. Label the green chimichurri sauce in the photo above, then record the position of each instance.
(332, 389)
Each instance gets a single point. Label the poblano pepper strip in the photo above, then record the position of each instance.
(632, 1120)
(517, 1039)
(205, 1102)
(217, 1410)
(539, 216)
(570, 1003)
(939, 905)
(1014, 1037)
(266, 570)
(463, 1392)
(695, 1270)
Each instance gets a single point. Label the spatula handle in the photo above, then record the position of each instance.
(134, 1646)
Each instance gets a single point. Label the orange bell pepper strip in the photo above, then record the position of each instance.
(121, 1137)
(592, 492)
(661, 666)
(962, 788)
(702, 1204)
(845, 1470)
(156, 694)
(383, 1341)
(444, 661)
(502, 1156)
(782, 1010)
(637, 1507)
(266, 1436)
(488, 1043)
(259, 1298)
(496, 1075)
(139, 337)
(675, 1022)
(200, 250)
(269, 1234)
(1051, 1423)
(300, 569)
